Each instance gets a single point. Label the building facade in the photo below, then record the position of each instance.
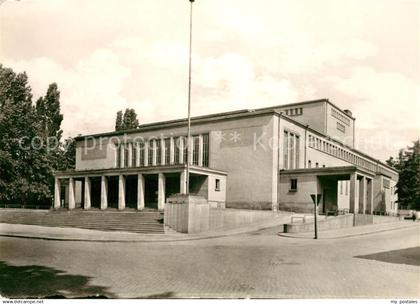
(268, 158)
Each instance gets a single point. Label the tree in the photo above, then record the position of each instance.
(128, 121)
(30, 147)
(118, 121)
(408, 165)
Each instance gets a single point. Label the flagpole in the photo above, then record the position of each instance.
(187, 181)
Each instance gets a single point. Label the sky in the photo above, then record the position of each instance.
(108, 55)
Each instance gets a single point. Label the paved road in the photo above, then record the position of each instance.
(249, 265)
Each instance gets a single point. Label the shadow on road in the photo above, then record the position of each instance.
(45, 282)
(408, 256)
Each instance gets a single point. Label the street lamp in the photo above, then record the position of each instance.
(187, 182)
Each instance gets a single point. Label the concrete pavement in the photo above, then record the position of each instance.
(254, 264)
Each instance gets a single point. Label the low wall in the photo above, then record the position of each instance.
(233, 218)
(340, 221)
(336, 222)
(192, 214)
(250, 205)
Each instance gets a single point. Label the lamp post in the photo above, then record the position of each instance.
(187, 181)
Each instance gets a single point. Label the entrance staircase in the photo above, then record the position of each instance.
(109, 220)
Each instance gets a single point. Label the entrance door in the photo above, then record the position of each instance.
(151, 191)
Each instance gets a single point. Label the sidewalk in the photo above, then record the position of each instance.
(354, 231)
(88, 235)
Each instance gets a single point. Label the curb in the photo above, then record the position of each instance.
(290, 235)
(145, 240)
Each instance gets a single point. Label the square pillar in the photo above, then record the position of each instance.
(172, 151)
(104, 192)
(200, 150)
(183, 182)
(352, 193)
(369, 196)
(161, 191)
(87, 192)
(146, 153)
(140, 192)
(181, 150)
(362, 195)
(121, 192)
(72, 203)
(57, 193)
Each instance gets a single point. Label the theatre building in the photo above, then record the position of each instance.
(269, 158)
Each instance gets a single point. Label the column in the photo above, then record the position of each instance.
(352, 193)
(172, 151)
(72, 203)
(121, 192)
(161, 191)
(146, 152)
(87, 192)
(369, 196)
(140, 192)
(183, 182)
(57, 193)
(181, 150)
(200, 150)
(104, 192)
(362, 195)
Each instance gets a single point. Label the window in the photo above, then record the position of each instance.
(285, 150)
(297, 145)
(205, 150)
(167, 151)
(290, 150)
(196, 149)
(133, 155)
(186, 149)
(217, 185)
(309, 164)
(341, 187)
(150, 151)
(125, 157)
(118, 156)
(158, 152)
(177, 150)
(347, 188)
(293, 185)
(141, 156)
(341, 127)
(316, 165)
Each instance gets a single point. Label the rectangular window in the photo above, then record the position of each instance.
(141, 157)
(167, 151)
(293, 185)
(285, 150)
(341, 187)
(158, 152)
(150, 152)
(196, 149)
(297, 143)
(341, 127)
(205, 150)
(292, 151)
(347, 188)
(187, 149)
(126, 157)
(217, 185)
(118, 158)
(133, 155)
(309, 164)
(177, 149)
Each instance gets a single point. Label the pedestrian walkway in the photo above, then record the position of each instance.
(88, 235)
(353, 231)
